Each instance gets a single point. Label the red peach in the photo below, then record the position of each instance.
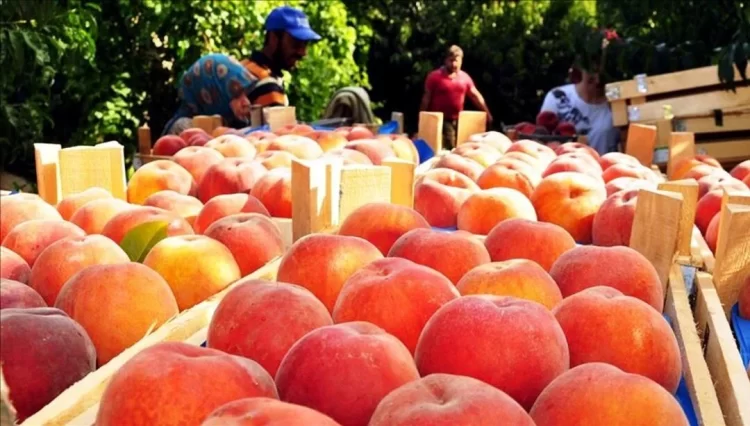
(613, 222)
(626, 170)
(30, 238)
(622, 183)
(438, 195)
(168, 145)
(230, 176)
(541, 242)
(359, 132)
(274, 190)
(186, 206)
(19, 208)
(197, 159)
(509, 173)
(611, 158)
(299, 146)
(374, 149)
(708, 206)
(350, 156)
(463, 165)
(225, 205)
(123, 222)
(717, 181)
(741, 171)
(13, 267)
(577, 147)
(272, 412)
(495, 139)
(541, 152)
(328, 140)
(275, 159)
(381, 224)
(157, 176)
(233, 146)
(703, 170)
(483, 210)
(94, 215)
(68, 205)
(481, 153)
(14, 294)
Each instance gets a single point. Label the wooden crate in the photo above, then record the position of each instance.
(686, 101)
(325, 192)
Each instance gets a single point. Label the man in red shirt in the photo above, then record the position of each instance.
(445, 91)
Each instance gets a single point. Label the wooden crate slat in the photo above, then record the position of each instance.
(726, 151)
(707, 124)
(689, 105)
(672, 82)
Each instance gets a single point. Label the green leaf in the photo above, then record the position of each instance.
(141, 239)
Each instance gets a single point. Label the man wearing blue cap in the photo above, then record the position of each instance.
(288, 33)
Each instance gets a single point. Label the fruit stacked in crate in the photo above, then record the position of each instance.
(548, 128)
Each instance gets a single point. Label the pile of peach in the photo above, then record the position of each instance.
(389, 322)
(71, 297)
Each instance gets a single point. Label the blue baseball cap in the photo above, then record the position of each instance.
(293, 21)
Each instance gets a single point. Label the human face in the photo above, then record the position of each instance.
(289, 51)
(453, 63)
(241, 107)
(590, 80)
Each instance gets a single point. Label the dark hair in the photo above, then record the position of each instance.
(454, 52)
(279, 34)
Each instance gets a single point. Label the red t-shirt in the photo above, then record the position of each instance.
(448, 94)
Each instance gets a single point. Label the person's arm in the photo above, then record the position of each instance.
(427, 97)
(478, 100)
(266, 93)
(549, 103)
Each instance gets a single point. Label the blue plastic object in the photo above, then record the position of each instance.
(683, 398)
(741, 328)
(388, 128)
(424, 150)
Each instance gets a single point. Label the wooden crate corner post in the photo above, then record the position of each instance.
(278, 117)
(470, 123)
(47, 161)
(641, 142)
(144, 140)
(689, 190)
(315, 196)
(732, 254)
(398, 117)
(402, 181)
(431, 130)
(681, 145)
(360, 185)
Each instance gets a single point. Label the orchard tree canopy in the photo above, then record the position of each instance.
(87, 71)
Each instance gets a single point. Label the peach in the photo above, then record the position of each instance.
(623, 183)
(187, 134)
(480, 153)
(613, 222)
(261, 320)
(514, 163)
(611, 158)
(448, 400)
(29, 239)
(14, 294)
(395, 294)
(157, 176)
(488, 207)
(516, 345)
(741, 171)
(200, 139)
(168, 145)
(233, 146)
(359, 132)
(626, 270)
(541, 152)
(70, 204)
(463, 165)
(274, 190)
(65, 258)
(164, 371)
(708, 206)
(603, 325)
(225, 205)
(185, 206)
(536, 163)
(712, 233)
(381, 224)
(521, 278)
(577, 147)
(574, 162)
(703, 170)
(452, 254)
(322, 263)
(221, 130)
(744, 299)
(43, 353)
(275, 159)
(374, 149)
(195, 267)
(299, 146)
(197, 159)
(438, 195)
(541, 242)
(495, 139)
(19, 208)
(344, 371)
(230, 176)
(714, 181)
(252, 238)
(571, 200)
(328, 140)
(598, 394)
(349, 156)
(402, 147)
(13, 267)
(127, 297)
(508, 174)
(626, 170)
(123, 222)
(746, 181)
(295, 129)
(683, 165)
(94, 215)
(271, 412)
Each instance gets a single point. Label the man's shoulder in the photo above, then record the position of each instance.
(436, 73)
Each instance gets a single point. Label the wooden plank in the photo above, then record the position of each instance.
(641, 142)
(402, 181)
(316, 205)
(694, 367)
(84, 167)
(47, 160)
(728, 150)
(431, 129)
(731, 122)
(729, 375)
(278, 117)
(655, 228)
(470, 123)
(672, 82)
(361, 185)
(732, 254)
(144, 140)
(205, 122)
(681, 145)
(688, 188)
(398, 117)
(619, 112)
(663, 133)
(709, 261)
(78, 398)
(690, 105)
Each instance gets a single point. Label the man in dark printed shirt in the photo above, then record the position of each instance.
(288, 33)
